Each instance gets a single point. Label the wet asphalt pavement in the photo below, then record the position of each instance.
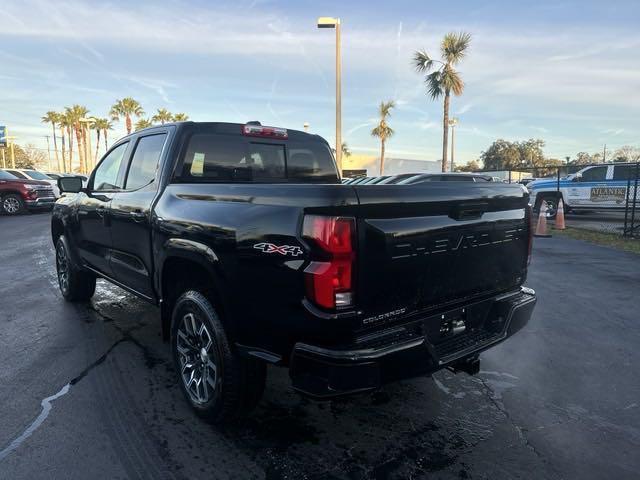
(87, 391)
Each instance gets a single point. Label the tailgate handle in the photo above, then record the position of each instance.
(468, 211)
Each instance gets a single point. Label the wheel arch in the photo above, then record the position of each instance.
(550, 194)
(9, 192)
(57, 228)
(187, 264)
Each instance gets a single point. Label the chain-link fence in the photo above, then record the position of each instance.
(600, 197)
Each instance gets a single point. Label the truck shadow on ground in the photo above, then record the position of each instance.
(409, 429)
(405, 430)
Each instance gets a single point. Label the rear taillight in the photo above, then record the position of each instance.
(329, 277)
(531, 228)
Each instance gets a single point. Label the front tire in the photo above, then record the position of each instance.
(75, 285)
(218, 383)
(12, 204)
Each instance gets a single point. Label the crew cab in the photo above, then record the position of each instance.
(596, 187)
(18, 195)
(257, 254)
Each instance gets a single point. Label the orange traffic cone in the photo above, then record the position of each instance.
(541, 229)
(559, 225)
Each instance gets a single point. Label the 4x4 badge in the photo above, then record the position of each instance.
(281, 249)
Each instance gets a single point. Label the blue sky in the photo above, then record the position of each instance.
(567, 72)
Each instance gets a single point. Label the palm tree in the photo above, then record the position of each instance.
(75, 113)
(126, 108)
(444, 79)
(99, 125)
(106, 127)
(383, 131)
(143, 123)
(163, 116)
(345, 150)
(180, 117)
(52, 118)
(66, 124)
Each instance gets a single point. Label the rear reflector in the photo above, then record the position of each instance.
(260, 131)
(329, 280)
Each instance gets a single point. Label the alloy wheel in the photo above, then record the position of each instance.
(11, 205)
(62, 264)
(198, 359)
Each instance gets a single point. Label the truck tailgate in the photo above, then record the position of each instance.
(424, 246)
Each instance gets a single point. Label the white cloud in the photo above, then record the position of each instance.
(613, 131)
(464, 108)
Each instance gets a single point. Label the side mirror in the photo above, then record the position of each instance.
(70, 184)
(577, 177)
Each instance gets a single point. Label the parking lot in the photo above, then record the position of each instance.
(88, 391)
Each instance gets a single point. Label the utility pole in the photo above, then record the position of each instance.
(604, 153)
(4, 160)
(48, 152)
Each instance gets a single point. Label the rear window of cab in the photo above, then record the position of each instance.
(221, 158)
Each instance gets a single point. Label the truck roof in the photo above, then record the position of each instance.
(229, 128)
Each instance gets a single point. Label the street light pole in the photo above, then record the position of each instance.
(12, 150)
(329, 22)
(338, 99)
(452, 123)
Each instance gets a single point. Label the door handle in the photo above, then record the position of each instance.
(138, 215)
(101, 211)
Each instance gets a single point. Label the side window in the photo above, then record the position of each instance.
(18, 174)
(106, 175)
(595, 174)
(625, 172)
(144, 163)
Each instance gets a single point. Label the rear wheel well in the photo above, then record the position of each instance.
(57, 229)
(547, 195)
(179, 275)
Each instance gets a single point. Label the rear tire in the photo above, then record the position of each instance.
(12, 204)
(75, 285)
(218, 383)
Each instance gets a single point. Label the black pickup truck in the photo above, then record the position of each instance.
(255, 253)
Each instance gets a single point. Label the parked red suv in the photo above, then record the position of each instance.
(18, 195)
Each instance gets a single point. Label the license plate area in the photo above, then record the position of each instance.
(452, 323)
(456, 322)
